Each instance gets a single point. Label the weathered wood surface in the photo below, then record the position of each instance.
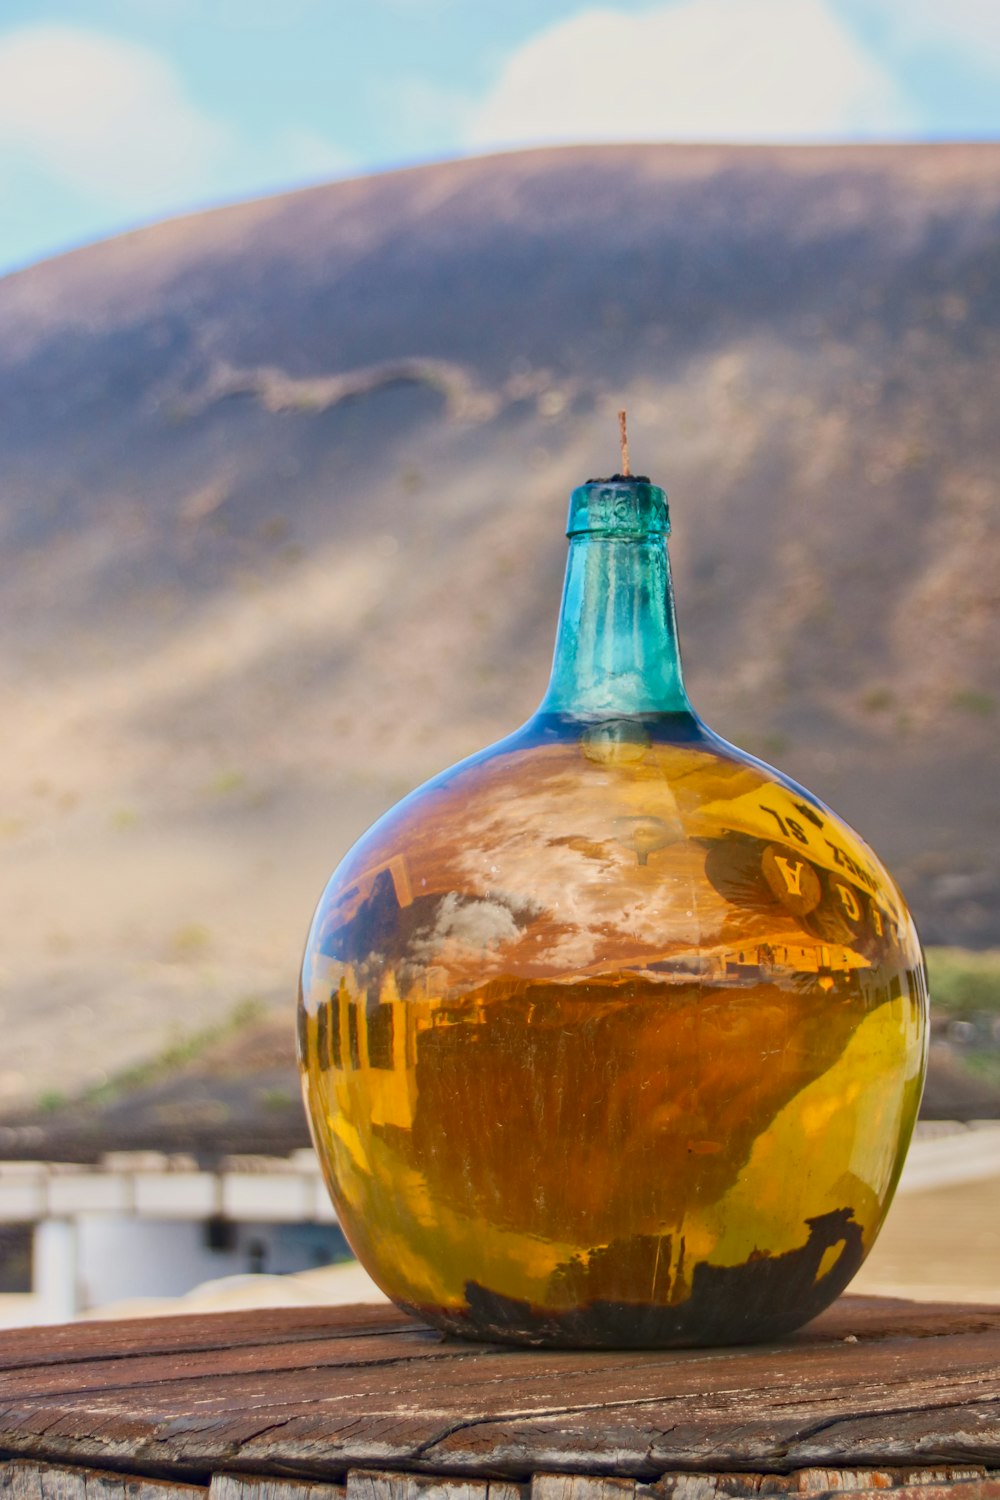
(315, 1393)
(23, 1480)
(28, 1481)
(246, 1487)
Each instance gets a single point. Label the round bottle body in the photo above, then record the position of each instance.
(612, 1036)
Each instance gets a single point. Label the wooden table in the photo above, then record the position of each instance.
(363, 1403)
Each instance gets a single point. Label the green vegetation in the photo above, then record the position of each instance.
(774, 743)
(985, 1066)
(973, 702)
(277, 1099)
(226, 782)
(877, 699)
(177, 1055)
(191, 941)
(964, 983)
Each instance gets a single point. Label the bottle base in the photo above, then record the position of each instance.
(765, 1298)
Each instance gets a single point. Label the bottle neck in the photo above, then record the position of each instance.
(617, 651)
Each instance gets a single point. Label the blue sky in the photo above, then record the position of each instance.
(117, 112)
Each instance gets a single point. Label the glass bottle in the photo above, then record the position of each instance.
(612, 1035)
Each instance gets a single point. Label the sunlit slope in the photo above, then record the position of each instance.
(281, 506)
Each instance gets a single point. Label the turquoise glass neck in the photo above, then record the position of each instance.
(617, 652)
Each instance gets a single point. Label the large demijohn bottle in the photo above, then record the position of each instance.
(611, 1034)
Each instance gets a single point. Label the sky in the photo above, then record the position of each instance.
(115, 113)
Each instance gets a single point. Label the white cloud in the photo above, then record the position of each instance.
(463, 930)
(721, 70)
(104, 116)
(109, 122)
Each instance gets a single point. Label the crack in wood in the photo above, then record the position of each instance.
(400, 1324)
(842, 1420)
(178, 1377)
(411, 1403)
(530, 1414)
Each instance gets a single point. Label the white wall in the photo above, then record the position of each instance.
(98, 1259)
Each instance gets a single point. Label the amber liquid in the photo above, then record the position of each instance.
(612, 1036)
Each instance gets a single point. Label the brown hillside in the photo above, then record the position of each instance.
(281, 502)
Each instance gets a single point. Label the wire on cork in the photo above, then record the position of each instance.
(623, 435)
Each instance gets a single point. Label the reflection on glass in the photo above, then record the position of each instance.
(612, 1035)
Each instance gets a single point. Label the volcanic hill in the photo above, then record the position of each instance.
(282, 498)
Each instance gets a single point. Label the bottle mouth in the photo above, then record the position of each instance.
(622, 506)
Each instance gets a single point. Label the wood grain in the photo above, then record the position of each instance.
(133, 1337)
(961, 1483)
(373, 1484)
(580, 1487)
(264, 1487)
(372, 1400)
(21, 1480)
(811, 1482)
